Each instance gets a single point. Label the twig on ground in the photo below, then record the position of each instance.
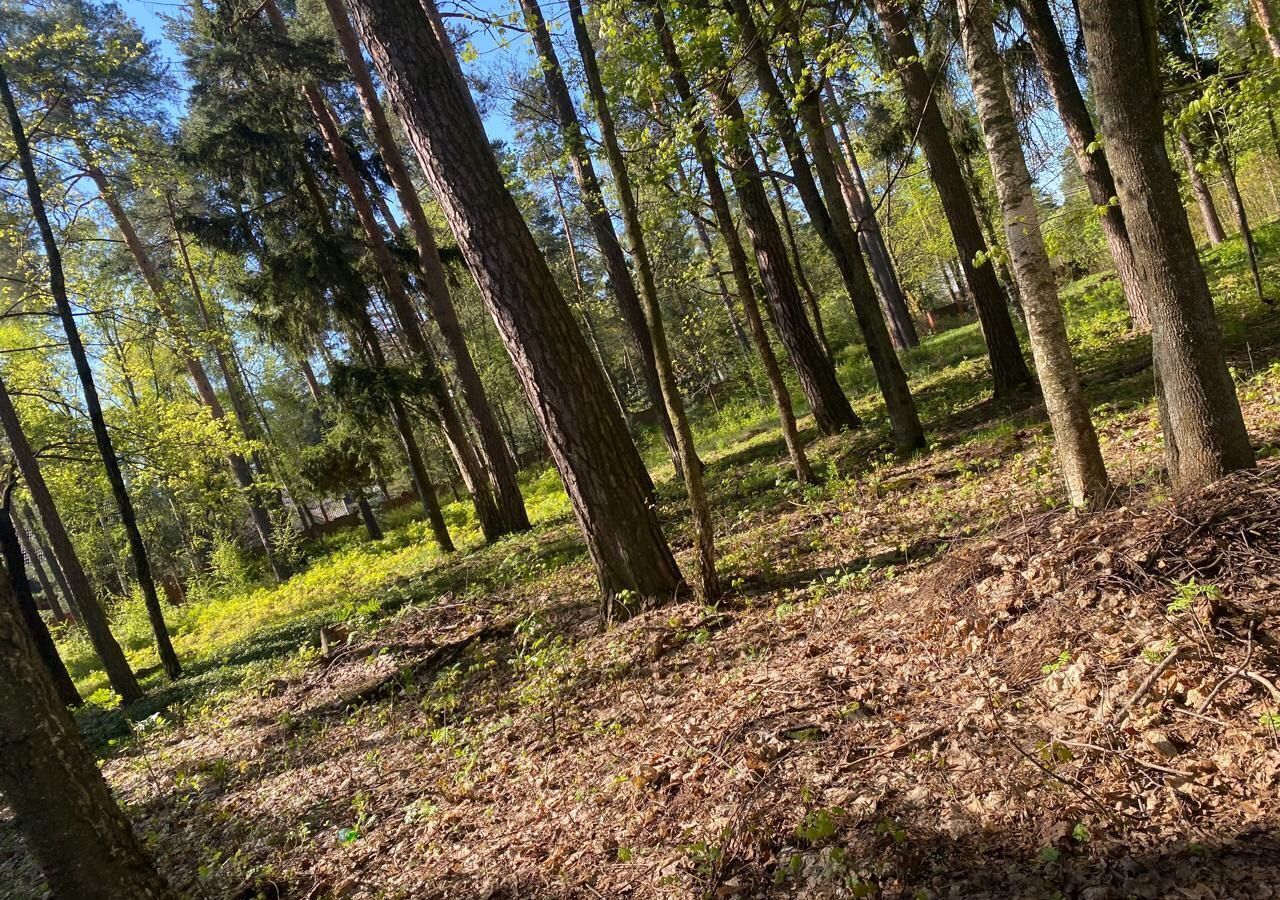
(1145, 687)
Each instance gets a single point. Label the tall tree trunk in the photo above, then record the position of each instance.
(834, 227)
(870, 238)
(406, 317)
(1055, 63)
(1269, 24)
(615, 260)
(614, 390)
(1204, 197)
(1077, 443)
(1204, 431)
(497, 461)
(16, 569)
(708, 586)
(82, 841)
(831, 408)
(601, 469)
(26, 523)
(797, 264)
(57, 286)
(1009, 370)
(738, 265)
(186, 351)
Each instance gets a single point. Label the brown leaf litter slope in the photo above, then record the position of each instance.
(1074, 707)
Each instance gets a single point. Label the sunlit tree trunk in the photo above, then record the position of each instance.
(611, 252)
(1204, 431)
(1204, 197)
(81, 840)
(57, 287)
(1055, 63)
(1009, 370)
(498, 462)
(708, 585)
(601, 469)
(1074, 437)
(832, 223)
(1269, 24)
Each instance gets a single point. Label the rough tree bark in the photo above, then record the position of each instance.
(615, 260)
(83, 843)
(1269, 24)
(797, 264)
(708, 585)
(832, 223)
(601, 469)
(490, 444)
(406, 317)
(1009, 370)
(1076, 441)
(1055, 62)
(1204, 431)
(57, 287)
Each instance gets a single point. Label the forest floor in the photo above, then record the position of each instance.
(927, 679)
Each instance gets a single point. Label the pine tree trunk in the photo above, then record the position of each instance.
(83, 843)
(708, 585)
(57, 286)
(497, 461)
(186, 351)
(1204, 431)
(16, 569)
(468, 463)
(615, 260)
(858, 202)
(1074, 437)
(601, 469)
(1055, 64)
(1009, 370)
(833, 226)
(1204, 197)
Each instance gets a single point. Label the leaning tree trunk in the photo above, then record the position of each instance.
(1055, 63)
(81, 840)
(186, 351)
(1269, 23)
(870, 238)
(708, 586)
(1204, 431)
(406, 317)
(491, 446)
(831, 408)
(1074, 437)
(611, 252)
(601, 469)
(57, 287)
(1204, 197)
(797, 263)
(835, 228)
(1009, 370)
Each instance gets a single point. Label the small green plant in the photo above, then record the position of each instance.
(1063, 660)
(819, 825)
(1186, 593)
